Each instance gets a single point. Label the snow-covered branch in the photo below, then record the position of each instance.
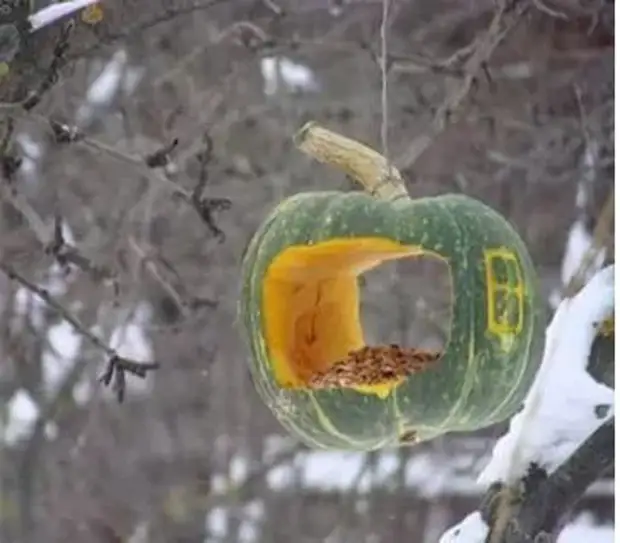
(54, 12)
(562, 439)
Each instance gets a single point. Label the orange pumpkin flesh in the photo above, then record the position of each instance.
(311, 305)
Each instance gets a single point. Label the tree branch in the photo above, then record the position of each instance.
(542, 502)
(478, 54)
(117, 365)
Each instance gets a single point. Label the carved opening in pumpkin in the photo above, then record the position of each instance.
(312, 318)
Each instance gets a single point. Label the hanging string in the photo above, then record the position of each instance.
(384, 80)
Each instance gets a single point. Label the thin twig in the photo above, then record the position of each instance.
(52, 75)
(544, 8)
(56, 305)
(64, 253)
(117, 365)
(166, 285)
(479, 52)
(204, 206)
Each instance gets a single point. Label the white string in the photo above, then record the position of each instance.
(384, 79)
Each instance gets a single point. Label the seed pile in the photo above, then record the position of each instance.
(373, 365)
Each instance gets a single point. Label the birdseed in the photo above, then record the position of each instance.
(373, 365)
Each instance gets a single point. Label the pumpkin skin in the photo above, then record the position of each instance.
(328, 238)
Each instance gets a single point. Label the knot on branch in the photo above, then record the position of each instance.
(162, 157)
(206, 207)
(116, 369)
(64, 133)
(66, 255)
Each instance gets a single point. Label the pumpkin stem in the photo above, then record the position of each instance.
(365, 165)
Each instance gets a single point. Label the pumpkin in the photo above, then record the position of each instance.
(300, 312)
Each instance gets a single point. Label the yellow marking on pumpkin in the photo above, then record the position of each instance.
(499, 324)
(517, 381)
(92, 14)
(607, 327)
(311, 310)
(382, 390)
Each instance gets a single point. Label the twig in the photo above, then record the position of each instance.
(35, 222)
(150, 266)
(564, 487)
(117, 366)
(65, 254)
(64, 133)
(161, 157)
(419, 64)
(59, 59)
(140, 26)
(205, 207)
(174, 289)
(479, 52)
(29, 465)
(541, 6)
(9, 161)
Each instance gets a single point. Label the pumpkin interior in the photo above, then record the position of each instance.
(311, 307)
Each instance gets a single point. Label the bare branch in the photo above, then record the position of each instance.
(508, 14)
(117, 365)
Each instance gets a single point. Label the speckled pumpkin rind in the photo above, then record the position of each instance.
(497, 330)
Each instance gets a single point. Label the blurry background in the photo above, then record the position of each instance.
(192, 455)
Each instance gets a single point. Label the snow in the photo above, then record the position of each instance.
(249, 516)
(579, 240)
(54, 12)
(252, 514)
(578, 244)
(140, 533)
(428, 473)
(295, 76)
(104, 88)
(472, 529)
(238, 469)
(559, 410)
(217, 522)
(21, 414)
(51, 430)
(319, 469)
(31, 306)
(31, 153)
(60, 357)
(583, 529)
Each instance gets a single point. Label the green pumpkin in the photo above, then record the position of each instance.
(300, 311)
(300, 308)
